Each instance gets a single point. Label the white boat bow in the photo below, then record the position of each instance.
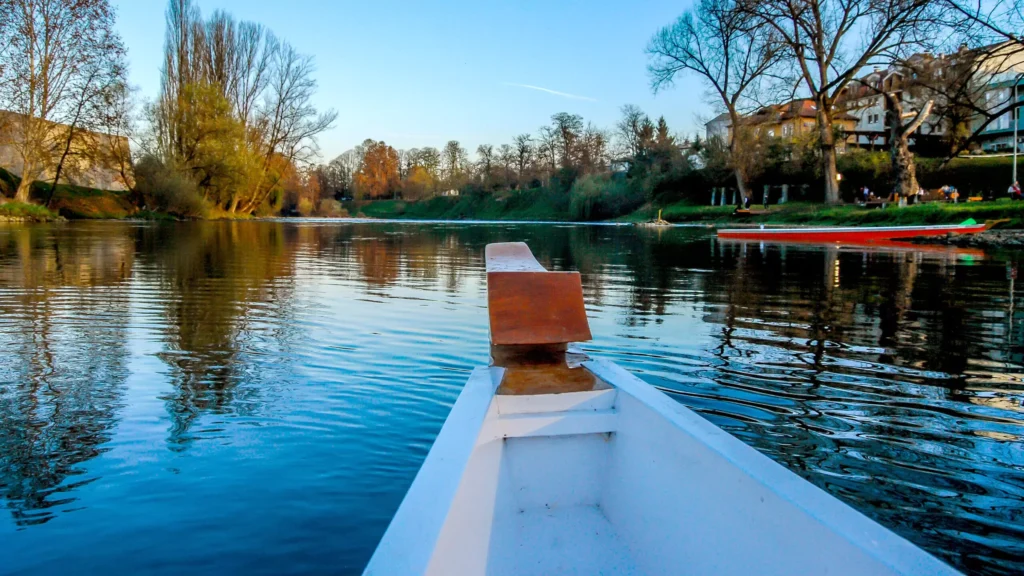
(568, 469)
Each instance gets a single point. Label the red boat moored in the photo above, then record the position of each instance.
(853, 234)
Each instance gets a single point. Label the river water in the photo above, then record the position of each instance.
(229, 397)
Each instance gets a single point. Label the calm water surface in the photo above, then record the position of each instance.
(256, 397)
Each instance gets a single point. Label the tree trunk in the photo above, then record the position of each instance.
(903, 167)
(741, 185)
(828, 153)
(25, 186)
(899, 144)
(738, 171)
(60, 166)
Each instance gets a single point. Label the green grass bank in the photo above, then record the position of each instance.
(848, 215)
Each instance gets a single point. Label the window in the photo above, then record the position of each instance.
(787, 130)
(771, 133)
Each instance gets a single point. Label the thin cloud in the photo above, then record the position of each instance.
(549, 91)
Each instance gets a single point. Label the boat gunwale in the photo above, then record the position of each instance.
(853, 229)
(850, 524)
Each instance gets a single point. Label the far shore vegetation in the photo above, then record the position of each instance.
(233, 132)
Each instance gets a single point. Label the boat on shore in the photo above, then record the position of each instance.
(552, 462)
(850, 234)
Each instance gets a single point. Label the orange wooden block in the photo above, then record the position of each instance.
(536, 308)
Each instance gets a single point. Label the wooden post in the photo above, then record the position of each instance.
(534, 314)
(785, 194)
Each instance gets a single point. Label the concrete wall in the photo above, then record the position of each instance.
(90, 162)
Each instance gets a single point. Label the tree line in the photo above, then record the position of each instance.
(555, 156)
(749, 53)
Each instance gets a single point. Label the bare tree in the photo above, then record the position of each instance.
(524, 155)
(547, 147)
(453, 163)
(980, 52)
(723, 44)
(593, 150)
(47, 50)
(95, 108)
(629, 130)
(831, 41)
(900, 130)
(567, 129)
(507, 157)
(486, 163)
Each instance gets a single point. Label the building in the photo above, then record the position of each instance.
(988, 72)
(718, 127)
(785, 121)
(95, 159)
(998, 135)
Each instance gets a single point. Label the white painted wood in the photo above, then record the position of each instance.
(721, 507)
(411, 539)
(556, 424)
(623, 481)
(540, 403)
(578, 541)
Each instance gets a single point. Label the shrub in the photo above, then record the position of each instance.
(164, 189)
(304, 207)
(600, 197)
(330, 208)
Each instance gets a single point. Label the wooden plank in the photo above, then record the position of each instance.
(511, 257)
(530, 308)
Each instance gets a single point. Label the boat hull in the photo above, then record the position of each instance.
(620, 479)
(850, 235)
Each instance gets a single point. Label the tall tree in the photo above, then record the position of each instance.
(628, 130)
(486, 164)
(453, 164)
(51, 54)
(378, 173)
(524, 155)
(722, 44)
(96, 110)
(567, 129)
(507, 158)
(831, 41)
(268, 89)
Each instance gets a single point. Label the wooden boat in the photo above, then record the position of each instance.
(847, 233)
(555, 463)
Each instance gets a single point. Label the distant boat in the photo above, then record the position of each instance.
(849, 234)
(554, 463)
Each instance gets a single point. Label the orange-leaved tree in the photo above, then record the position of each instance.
(378, 173)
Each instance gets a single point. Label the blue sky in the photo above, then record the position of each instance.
(419, 73)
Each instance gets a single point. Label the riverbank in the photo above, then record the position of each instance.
(22, 212)
(74, 202)
(522, 206)
(847, 215)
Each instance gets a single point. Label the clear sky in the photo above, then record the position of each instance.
(419, 73)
